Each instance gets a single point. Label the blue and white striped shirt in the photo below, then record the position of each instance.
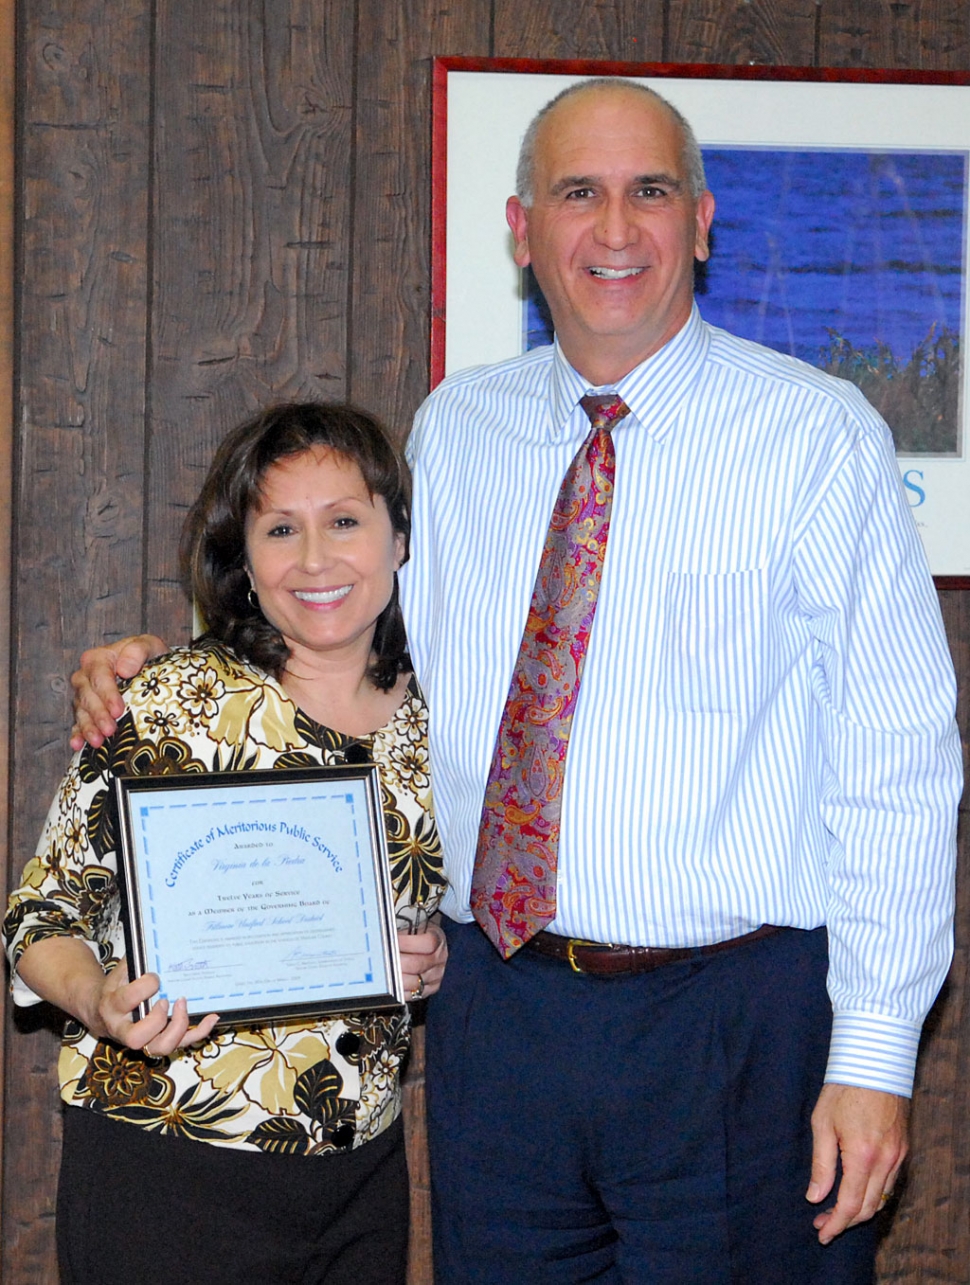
(765, 730)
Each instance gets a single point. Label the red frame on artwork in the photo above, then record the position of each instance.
(587, 67)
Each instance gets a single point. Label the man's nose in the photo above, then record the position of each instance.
(616, 227)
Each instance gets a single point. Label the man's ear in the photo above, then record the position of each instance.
(517, 217)
(703, 219)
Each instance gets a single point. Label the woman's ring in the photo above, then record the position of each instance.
(884, 1197)
(419, 989)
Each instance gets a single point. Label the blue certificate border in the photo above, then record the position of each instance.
(260, 894)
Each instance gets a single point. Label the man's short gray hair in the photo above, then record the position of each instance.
(690, 152)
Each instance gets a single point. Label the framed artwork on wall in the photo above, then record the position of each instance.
(840, 237)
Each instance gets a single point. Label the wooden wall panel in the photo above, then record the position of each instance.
(391, 288)
(770, 32)
(245, 218)
(630, 31)
(7, 80)
(81, 355)
(943, 38)
(883, 33)
(253, 211)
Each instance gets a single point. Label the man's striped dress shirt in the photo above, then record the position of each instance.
(765, 728)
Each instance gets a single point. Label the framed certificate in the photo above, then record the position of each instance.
(260, 895)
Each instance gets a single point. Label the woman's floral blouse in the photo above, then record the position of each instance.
(296, 1087)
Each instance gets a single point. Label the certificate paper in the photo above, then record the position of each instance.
(258, 895)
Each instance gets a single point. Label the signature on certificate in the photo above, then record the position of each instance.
(188, 965)
(298, 955)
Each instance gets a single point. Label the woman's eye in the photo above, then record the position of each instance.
(281, 529)
(343, 524)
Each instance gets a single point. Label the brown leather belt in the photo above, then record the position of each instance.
(600, 959)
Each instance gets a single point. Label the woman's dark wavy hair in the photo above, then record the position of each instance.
(213, 546)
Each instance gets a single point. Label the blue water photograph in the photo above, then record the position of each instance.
(853, 261)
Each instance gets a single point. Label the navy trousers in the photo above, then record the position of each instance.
(649, 1130)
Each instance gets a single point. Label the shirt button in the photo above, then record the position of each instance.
(348, 1044)
(343, 1135)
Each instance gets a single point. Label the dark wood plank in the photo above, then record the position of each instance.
(942, 36)
(81, 354)
(895, 33)
(930, 1234)
(7, 178)
(419, 1170)
(253, 220)
(392, 239)
(769, 32)
(624, 30)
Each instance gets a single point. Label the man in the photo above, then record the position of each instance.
(759, 783)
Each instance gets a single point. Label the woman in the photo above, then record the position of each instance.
(270, 1153)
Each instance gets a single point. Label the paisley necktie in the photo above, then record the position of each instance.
(514, 881)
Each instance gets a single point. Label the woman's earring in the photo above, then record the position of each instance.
(252, 599)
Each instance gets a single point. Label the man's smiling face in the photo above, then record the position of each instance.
(613, 230)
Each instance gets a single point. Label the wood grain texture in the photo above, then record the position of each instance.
(420, 1262)
(895, 33)
(7, 81)
(392, 239)
(252, 226)
(628, 31)
(779, 32)
(81, 346)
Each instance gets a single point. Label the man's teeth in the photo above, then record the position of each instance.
(324, 595)
(615, 274)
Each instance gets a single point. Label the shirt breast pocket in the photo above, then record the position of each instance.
(714, 637)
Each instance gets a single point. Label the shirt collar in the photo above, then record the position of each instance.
(653, 390)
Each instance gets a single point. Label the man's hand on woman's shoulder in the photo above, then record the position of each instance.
(97, 701)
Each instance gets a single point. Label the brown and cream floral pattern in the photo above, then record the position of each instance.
(302, 1087)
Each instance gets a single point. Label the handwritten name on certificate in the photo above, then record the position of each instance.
(261, 893)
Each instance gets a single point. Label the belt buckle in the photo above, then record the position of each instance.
(572, 943)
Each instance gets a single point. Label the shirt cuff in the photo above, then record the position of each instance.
(873, 1052)
(21, 993)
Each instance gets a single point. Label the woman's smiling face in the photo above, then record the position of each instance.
(321, 554)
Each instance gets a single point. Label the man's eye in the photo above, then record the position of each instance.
(579, 193)
(652, 193)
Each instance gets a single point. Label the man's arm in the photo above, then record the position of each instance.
(884, 697)
(97, 701)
